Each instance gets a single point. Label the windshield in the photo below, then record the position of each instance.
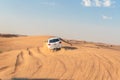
(54, 40)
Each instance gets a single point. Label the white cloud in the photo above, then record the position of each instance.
(48, 3)
(86, 3)
(107, 3)
(106, 17)
(97, 3)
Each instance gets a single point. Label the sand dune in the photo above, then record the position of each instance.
(27, 57)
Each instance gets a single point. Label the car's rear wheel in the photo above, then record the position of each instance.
(57, 49)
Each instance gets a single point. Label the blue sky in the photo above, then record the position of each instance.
(90, 20)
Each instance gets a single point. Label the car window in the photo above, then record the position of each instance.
(54, 40)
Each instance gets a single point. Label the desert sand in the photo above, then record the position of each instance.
(29, 58)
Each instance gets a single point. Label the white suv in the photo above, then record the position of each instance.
(54, 43)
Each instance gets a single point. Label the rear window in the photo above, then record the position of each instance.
(54, 40)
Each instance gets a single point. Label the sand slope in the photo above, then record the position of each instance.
(82, 61)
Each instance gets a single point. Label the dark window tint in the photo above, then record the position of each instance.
(54, 40)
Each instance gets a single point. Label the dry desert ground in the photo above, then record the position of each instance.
(28, 58)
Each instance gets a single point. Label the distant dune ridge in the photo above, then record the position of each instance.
(29, 58)
(10, 35)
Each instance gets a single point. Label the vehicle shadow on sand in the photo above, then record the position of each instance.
(69, 48)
